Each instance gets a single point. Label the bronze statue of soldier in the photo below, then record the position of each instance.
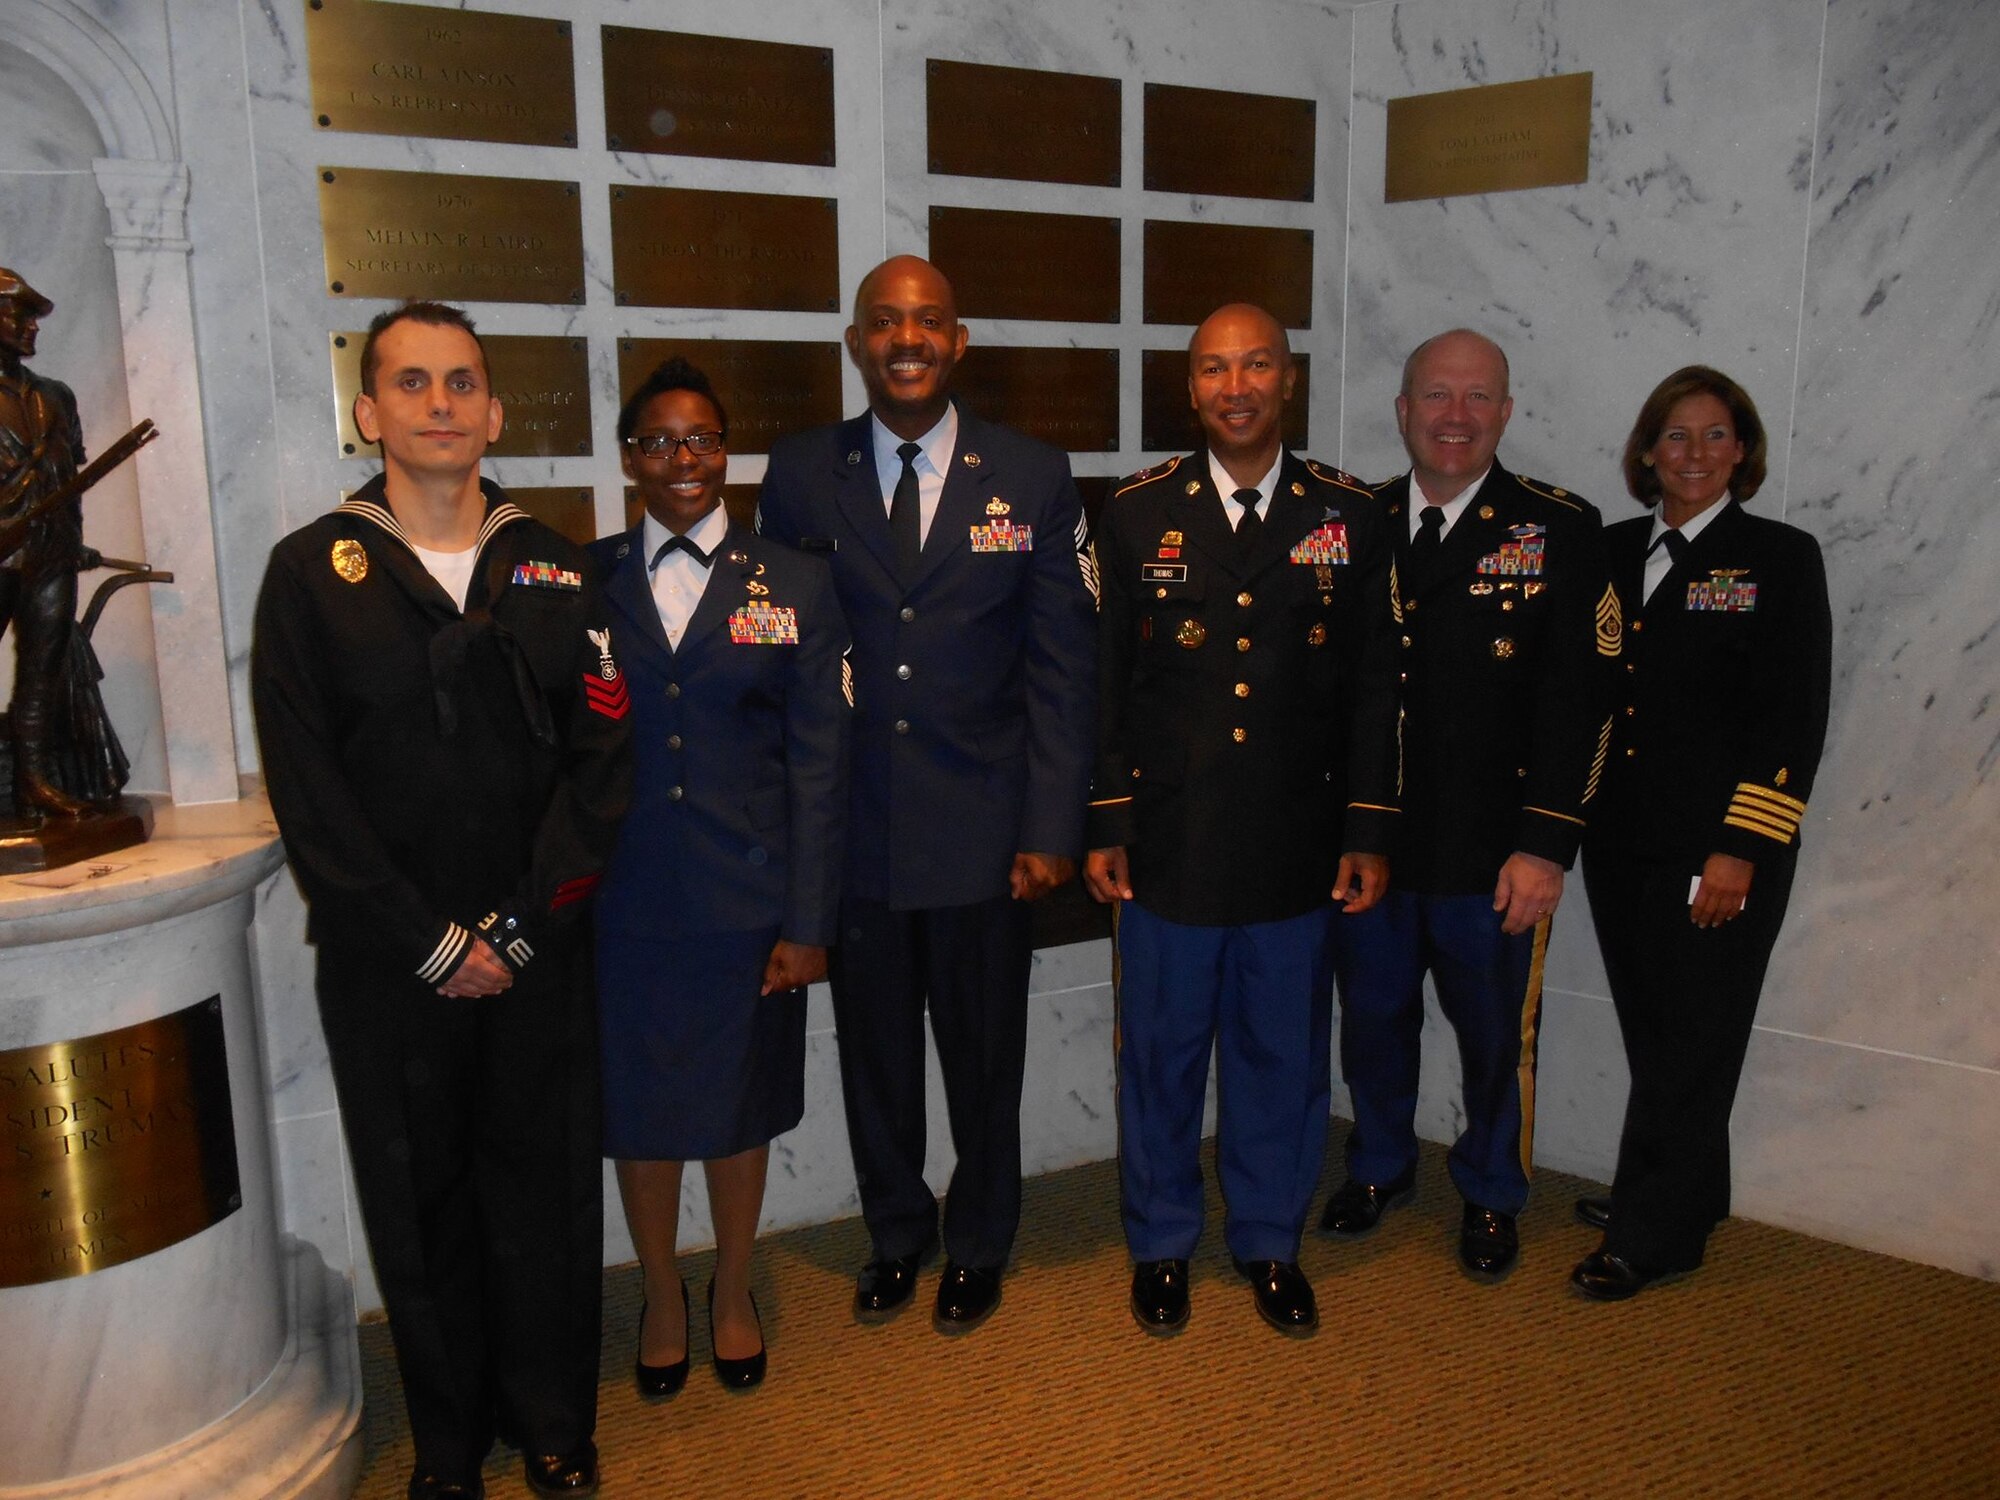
(68, 767)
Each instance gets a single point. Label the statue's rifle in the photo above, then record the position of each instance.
(15, 531)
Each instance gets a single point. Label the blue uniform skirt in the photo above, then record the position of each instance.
(697, 1064)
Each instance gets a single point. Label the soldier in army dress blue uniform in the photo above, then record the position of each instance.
(1245, 783)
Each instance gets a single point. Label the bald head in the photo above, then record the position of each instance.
(1457, 343)
(913, 268)
(1238, 322)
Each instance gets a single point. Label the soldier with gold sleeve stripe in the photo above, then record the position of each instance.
(1691, 849)
(1509, 634)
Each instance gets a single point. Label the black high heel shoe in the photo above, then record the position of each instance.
(658, 1382)
(737, 1374)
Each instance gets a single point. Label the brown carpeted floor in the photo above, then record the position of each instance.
(1787, 1367)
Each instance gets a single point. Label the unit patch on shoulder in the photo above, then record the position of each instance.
(542, 575)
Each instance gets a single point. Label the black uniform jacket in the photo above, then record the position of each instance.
(41, 446)
(1246, 706)
(973, 685)
(1718, 728)
(740, 741)
(1509, 642)
(437, 773)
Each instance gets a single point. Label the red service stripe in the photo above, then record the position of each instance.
(572, 891)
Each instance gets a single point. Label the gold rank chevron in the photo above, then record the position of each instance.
(1395, 594)
(1765, 810)
(1610, 623)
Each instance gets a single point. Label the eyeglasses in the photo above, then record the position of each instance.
(662, 445)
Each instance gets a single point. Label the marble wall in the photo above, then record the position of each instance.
(1792, 191)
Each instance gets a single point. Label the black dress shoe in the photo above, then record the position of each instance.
(1160, 1295)
(737, 1374)
(885, 1286)
(1284, 1297)
(430, 1487)
(1488, 1243)
(658, 1382)
(966, 1297)
(1357, 1207)
(1594, 1212)
(1612, 1278)
(562, 1476)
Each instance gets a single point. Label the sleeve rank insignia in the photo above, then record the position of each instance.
(350, 560)
(541, 575)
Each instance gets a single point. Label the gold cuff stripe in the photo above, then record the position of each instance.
(1550, 813)
(1109, 801)
(1750, 791)
(1374, 807)
(1770, 831)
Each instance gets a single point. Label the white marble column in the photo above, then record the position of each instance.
(149, 246)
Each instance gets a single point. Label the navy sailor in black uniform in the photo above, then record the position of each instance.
(1694, 839)
(1509, 633)
(444, 733)
(719, 902)
(1245, 784)
(959, 555)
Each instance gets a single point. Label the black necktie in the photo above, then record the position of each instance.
(1250, 527)
(906, 513)
(1430, 534)
(1675, 543)
(681, 544)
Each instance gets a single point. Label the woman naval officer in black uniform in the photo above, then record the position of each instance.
(1692, 842)
(719, 900)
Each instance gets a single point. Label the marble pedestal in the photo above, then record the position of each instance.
(224, 1364)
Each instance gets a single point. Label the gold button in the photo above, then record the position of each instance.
(1506, 603)
(1630, 710)
(1159, 593)
(1409, 606)
(1242, 689)
(1239, 735)
(1630, 667)
(1135, 773)
(1635, 624)
(1630, 752)
(1243, 643)
(1244, 599)
(1522, 772)
(1406, 640)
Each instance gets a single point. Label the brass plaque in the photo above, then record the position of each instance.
(1192, 269)
(684, 95)
(1065, 397)
(1022, 123)
(457, 239)
(685, 247)
(461, 75)
(565, 508)
(1495, 139)
(117, 1145)
(1194, 143)
(1168, 424)
(740, 500)
(1057, 268)
(769, 387)
(543, 382)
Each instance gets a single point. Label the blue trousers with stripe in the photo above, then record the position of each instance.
(1259, 997)
(1489, 986)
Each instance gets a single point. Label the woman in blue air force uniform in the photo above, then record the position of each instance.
(719, 901)
(1695, 833)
